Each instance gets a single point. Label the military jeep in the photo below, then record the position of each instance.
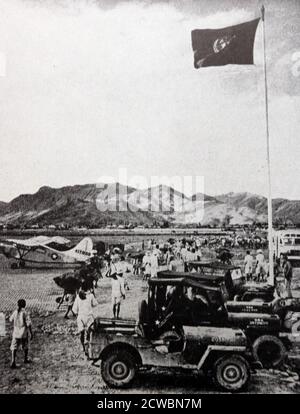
(157, 339)
(125, 347)
(174, 300)
(236, 286)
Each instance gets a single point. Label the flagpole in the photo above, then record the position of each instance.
(270, 214)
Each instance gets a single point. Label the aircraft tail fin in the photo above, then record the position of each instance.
(84, 248)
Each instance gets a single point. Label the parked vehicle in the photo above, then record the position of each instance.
(236, 285)
(194, 301)
(124, 347)
(288, 242)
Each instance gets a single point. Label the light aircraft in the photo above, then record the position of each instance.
(47, 252)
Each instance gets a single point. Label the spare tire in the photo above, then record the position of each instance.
(269, 351)
(143, 312)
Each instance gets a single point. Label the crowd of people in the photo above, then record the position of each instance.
(174, 254)
(257, 270)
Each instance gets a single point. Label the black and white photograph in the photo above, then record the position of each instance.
(150, 205)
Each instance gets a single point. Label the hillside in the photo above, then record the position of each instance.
(84, 205)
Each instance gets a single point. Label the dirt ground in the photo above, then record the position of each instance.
(58, 363)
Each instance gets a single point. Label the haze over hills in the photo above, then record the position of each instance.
(98, 205)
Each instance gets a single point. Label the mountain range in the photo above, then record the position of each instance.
(98, 205)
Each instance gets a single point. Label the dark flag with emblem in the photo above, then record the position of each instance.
(230, 45)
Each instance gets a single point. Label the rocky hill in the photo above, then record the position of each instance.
(98, 205)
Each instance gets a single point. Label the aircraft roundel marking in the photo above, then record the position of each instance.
(54, 256)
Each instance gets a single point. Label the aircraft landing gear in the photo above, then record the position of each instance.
(19, 265)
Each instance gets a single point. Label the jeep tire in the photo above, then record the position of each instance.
(269, 351)
(118, 369)
(231, 373)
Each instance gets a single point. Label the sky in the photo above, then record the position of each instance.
(89, 87)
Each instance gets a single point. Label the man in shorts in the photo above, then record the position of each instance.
(260, 266)
(248, 262)
(117, 285)
(147, 265)
(21, 330)
(83, 307)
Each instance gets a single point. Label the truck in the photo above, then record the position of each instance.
(288, 242)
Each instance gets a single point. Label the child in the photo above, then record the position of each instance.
(22, 327)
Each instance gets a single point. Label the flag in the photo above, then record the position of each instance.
(230, 45)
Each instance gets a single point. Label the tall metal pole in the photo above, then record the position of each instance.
(270, 215)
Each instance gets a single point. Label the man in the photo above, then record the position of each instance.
(260, 265)
(117, 285)
(248, 262)
(192, 255)
(154, 261)
(288, 274)
(184, 252)
(184, 256)
(21, 330)
(147, 265)
(95, 267)
(83, 308)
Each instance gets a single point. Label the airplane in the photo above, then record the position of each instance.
(47, 252)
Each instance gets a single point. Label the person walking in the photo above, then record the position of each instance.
(83, 307)
(117, 285)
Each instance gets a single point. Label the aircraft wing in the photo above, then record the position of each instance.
(32, 242)
(59, 240)
(39, 241)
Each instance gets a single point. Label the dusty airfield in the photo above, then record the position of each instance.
(58, 363)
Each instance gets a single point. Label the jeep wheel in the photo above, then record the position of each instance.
(118, 369)
(269, 351)
(231, 373)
